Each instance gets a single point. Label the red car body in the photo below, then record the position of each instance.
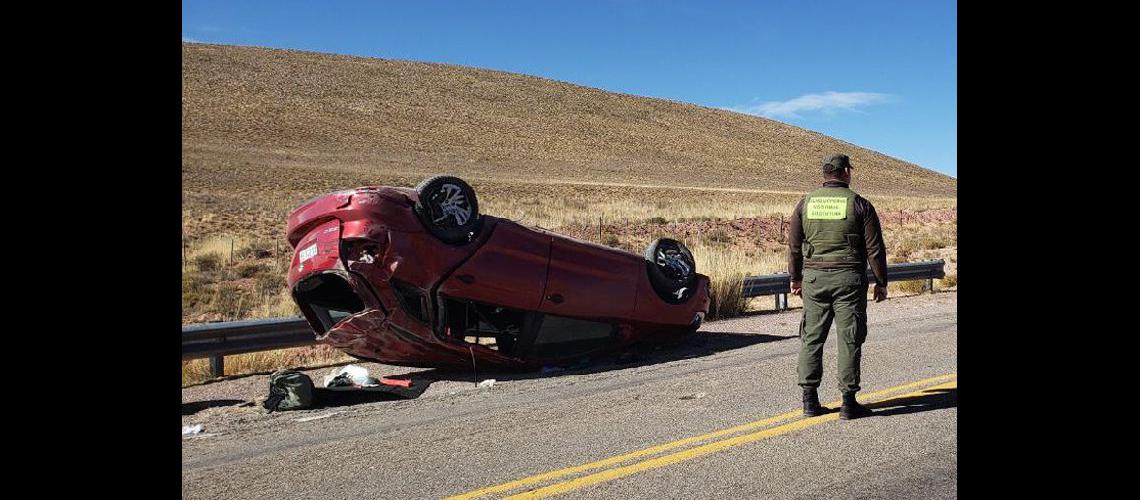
(372, 282)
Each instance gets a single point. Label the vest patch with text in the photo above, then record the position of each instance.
(827, 208)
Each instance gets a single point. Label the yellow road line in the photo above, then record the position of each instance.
(699, 451)
(538, 478)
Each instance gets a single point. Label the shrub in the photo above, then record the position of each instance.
(913, 286)
(250, 269)
(716, 236)
(256, 250)
(269, 283)
(208, 262)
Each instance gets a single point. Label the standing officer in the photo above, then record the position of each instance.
(835, 234)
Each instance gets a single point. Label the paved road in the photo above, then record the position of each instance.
(715, 417)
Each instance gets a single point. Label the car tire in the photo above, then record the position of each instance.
(448, 209)
(672, 270)
(696, 323)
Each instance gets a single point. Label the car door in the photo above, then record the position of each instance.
(508, 270)
(590, 281)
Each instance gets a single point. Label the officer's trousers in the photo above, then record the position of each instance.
(839, 295)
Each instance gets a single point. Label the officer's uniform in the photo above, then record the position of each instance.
(834, 235)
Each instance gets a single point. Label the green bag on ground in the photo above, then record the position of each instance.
(289, 390)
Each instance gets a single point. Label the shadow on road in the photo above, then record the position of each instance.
(327, 398)
(692, 346)
(931, 399)
(197, 406)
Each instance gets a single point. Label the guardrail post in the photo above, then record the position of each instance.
(217, 366)
(930, 285)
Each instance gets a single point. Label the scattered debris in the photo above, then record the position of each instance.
(489, 383)
(698, 395)
(316, 417)
(350, 375)
(191, 429)
(396, 382)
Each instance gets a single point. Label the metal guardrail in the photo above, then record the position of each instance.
(780, 284)
(216, 340)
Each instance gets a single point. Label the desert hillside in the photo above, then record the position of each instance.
(268, 110)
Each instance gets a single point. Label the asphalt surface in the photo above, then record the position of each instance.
(456, 438)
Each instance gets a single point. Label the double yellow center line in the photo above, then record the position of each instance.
(609, 474)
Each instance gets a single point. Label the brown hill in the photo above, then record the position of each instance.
(258, 108)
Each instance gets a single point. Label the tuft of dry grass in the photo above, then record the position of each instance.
(908, 287)
(726, 272)
(726, 269)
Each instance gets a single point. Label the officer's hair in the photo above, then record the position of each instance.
(834, 174)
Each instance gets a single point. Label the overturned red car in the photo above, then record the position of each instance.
(418, 277)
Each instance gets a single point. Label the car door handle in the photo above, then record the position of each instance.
(466, 278)
(555, 298)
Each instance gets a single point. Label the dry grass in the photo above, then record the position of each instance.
(217, 200)
(726, 271)
(907, 287)
(910, 240)
(726, 268)
(198, 370)
(251, 286)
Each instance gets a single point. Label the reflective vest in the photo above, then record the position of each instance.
(832, 232)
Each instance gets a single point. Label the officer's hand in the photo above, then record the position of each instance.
(796, 288)
(880, 293)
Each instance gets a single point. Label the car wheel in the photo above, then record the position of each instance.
(448, 209)
(696, 323)
(672, 271)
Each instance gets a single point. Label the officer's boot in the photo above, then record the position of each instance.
(851, 408)
(812, 407)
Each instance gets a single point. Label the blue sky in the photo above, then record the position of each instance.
(882, 75)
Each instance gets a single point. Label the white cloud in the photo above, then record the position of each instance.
(189, 40)
(827, 102)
